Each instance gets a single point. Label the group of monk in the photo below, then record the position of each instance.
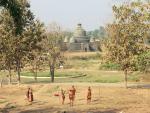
(71, 94)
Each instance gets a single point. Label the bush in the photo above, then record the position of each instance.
(143, 62)
(109, 66)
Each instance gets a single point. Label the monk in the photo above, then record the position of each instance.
(73, 92)
(63, 96)
(71, 97)
(29, 95)
(89, 95)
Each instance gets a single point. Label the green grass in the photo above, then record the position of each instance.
(91, 76)
(76, 66)
(98, 77)
(57, 74)
(74, 75)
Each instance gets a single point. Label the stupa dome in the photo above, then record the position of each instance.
(79, 31)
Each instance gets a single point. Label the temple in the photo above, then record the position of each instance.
(80, 41)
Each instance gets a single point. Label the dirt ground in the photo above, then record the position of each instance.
(105, 99)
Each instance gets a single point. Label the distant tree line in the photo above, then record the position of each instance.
(98, 33)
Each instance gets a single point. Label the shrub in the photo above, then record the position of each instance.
(109, 66)
(143, 62)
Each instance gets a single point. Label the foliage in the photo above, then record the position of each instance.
(127, 34)
(143, 62)
(16, 49)
(16, 11)
(6, 42)
(35, 56)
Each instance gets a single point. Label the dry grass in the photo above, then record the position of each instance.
(106, 99)
(78, 54)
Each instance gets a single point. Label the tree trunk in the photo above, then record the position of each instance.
(18, 71)
(52, 73)
(9, 75)
(35, 73)
(52, 70)
(2, 82)
(126, 78)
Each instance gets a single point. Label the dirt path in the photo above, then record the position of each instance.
(106, 98)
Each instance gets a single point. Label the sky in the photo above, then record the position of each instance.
(67, 13)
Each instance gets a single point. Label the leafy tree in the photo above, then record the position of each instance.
(35, 63)
(6, 48)
(127, 33)
(52, 45)
(17, 48)
(15, 11)
(37, 34)
(23, 42)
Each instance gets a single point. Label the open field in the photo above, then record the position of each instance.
(108, 92)
(81, 67)
(105, 99)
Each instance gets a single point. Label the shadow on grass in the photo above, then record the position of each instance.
(47, 110)
(4, 110)
(56, 110)
(140, 86)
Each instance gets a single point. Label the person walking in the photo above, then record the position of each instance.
(29, 95)
(89, 95)
(63, 96)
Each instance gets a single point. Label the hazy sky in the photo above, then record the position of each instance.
(67, 13)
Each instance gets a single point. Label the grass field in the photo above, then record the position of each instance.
(83, 76)
(82, 67)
